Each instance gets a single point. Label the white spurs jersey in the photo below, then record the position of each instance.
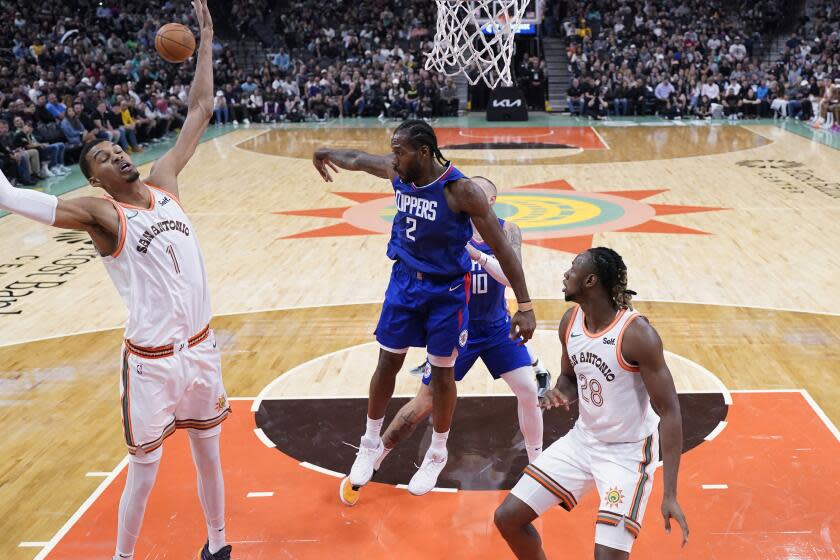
(159, 272)
(613, 401)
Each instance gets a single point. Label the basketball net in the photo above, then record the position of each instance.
(462, 47)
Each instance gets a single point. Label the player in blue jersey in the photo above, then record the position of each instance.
(426, 303)
(489, 340)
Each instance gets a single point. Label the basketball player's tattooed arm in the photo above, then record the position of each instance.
(468, 197)
(565, 391)
(489, 262)
(325, 159)
(200, 108)
(642, 346)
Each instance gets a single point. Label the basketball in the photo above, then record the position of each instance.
(174, 42)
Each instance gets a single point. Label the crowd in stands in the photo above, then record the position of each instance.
(83, 69)
(340, 59)
(699, 59)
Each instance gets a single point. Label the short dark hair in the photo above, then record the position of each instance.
(83, 161)
(420, 133)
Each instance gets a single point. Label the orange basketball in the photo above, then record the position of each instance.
(174, 42)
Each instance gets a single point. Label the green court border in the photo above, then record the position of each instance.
(75, 180)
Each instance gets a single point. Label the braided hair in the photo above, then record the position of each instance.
(612, 273)
(420, 133)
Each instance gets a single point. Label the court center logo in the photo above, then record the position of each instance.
(552, 215)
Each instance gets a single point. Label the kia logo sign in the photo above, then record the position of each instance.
(507, 103)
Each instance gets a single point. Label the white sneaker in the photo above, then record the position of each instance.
(426, 476)
(367, 460)
(246, 121)
(45, 171)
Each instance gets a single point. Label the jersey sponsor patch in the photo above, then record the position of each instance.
(462, 339)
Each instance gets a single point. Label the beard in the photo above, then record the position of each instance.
(133, 177)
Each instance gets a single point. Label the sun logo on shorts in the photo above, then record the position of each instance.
(614, 497)
(221, 404)
(462, 339)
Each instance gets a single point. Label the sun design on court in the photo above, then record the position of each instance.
(551, 214)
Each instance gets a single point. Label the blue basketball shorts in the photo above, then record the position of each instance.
(424, 311)
(495, 348)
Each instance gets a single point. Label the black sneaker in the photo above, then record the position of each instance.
(221, 554)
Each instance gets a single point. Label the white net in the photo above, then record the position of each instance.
(476, 38)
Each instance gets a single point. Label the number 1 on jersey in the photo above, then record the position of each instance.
(412, 225)
(171, 252)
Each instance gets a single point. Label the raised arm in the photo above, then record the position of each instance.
(469, 198)
(489, 262)
(95, 215)
(200, 108)
(643, 346)
(325, 159)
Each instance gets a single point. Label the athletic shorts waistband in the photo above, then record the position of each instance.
(167, 350)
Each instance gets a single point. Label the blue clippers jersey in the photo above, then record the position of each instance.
(487, 300)
(427, 236)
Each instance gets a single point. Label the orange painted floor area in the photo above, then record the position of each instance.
(778, 459)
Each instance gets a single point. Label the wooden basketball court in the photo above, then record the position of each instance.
(730, 234)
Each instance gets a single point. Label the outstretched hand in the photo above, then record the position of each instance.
(321, 161)
(202, 15)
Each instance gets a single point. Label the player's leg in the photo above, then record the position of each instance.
(206, 455)
(559, 476)
(514, 520)
(606, 553)
(446, 326)
(148, 402)
(511, 361)
(400, 326)
(409, 416)
(142, 472)
(521, 382)
(444, 395)
(623, 473)
(371, 447)
(202, 409)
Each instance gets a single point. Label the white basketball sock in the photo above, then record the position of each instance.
(211, 485)
(138, 487)
(373, 429)
(438, 446)
(521, 382)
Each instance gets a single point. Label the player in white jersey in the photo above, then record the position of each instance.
(613, 364)
(170, 367)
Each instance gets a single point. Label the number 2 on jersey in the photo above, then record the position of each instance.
(171, 252)
(593, 387)
(411, 226)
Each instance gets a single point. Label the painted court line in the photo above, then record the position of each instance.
(260, 494)
(819, 411)
(263, 438)
(601, 138)
(33, 544)
(716, 432)
(82, 509)
(321, 470)
(97, 474)
(715, 486)
(445, 490)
